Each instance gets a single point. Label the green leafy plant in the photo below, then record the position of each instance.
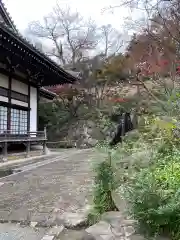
(104, 183)
(154, 197)
(153, 191)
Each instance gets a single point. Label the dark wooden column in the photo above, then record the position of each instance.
(9, 101)
(29, 107)
(38, 99)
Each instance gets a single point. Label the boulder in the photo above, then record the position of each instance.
(85, 133)
(73, 220)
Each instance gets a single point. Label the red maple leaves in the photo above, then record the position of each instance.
(148, 69)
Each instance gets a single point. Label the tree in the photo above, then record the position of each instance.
(69, 39)
(111, 40)
(68, 35)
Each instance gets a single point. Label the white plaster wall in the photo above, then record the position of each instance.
(20, 103)
(19, 87)
(3, 81)
(33, 106)
(3, 99)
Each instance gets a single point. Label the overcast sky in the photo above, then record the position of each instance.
(25, 11)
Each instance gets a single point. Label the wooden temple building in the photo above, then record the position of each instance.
(24, 72)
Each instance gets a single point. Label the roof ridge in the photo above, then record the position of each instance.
(9, 18)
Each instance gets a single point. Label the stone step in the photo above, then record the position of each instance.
(74, 235)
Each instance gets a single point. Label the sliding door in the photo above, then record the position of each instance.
(3, 119)
(19, 119)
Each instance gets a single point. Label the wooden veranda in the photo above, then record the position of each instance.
(7, 137)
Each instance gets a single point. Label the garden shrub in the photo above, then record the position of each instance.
(154, 197)
(153, 192)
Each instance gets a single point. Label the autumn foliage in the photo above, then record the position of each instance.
(156, 49)
(119, 100)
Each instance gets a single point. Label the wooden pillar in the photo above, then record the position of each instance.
(44, 147)
(44, 142)
(38, 99)
(9, 102)
(28, 145)
(29, 107)
(5, 155)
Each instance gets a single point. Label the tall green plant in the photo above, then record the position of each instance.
(104, 185)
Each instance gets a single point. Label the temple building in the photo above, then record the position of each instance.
(24, 74)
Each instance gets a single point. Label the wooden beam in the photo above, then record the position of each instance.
(6, 72)
(10, 105)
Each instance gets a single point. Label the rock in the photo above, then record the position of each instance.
(1, 184)
(33, 224)
(129, 231)
(112, 217)
(87, 236)
(85, 133)
(113, 225)
(128, 222)
(72, 220)
(76, 235)
(55, 231)
(101, 229)
(46, 223)
(47, 237)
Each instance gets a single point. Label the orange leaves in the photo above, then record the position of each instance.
(66, 90)
(119, 100)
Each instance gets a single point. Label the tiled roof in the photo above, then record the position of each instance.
(9, 24)
(7, 17)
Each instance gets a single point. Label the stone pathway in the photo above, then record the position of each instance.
(43, 194)
(51, 197)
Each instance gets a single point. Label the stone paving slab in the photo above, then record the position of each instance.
(75, 235)
(43, 193)
(15, 232)
(117, 226)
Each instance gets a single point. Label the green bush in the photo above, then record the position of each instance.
(154, 197)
